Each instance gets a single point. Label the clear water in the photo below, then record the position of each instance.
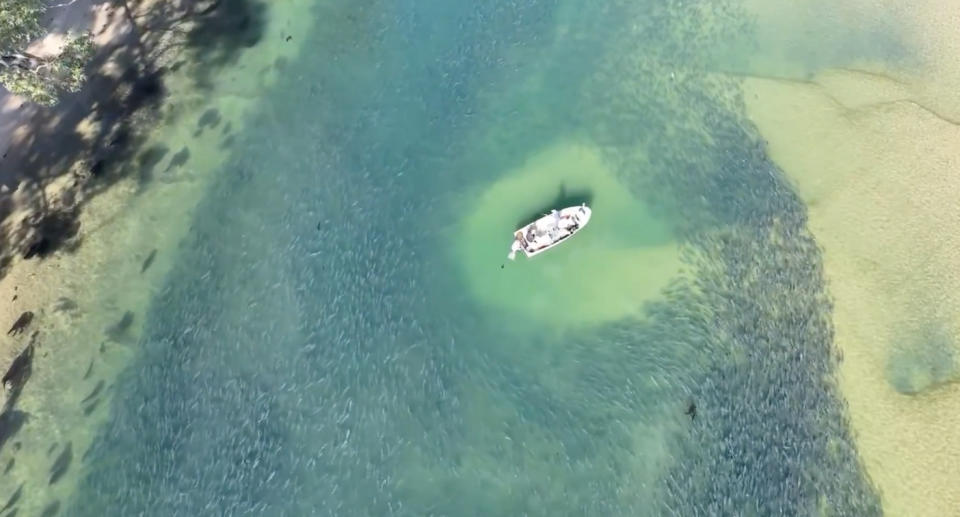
(326, 346)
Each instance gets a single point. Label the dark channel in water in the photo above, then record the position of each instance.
(313, 353)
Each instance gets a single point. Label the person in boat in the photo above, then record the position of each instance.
(569, 224)
(514, 248)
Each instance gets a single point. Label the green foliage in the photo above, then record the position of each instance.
(19, 22)
(19, 25)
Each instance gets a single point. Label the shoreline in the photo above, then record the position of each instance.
(128, 229)
(41, 202)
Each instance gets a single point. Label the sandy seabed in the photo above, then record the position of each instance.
(595, 281)
(873, 148)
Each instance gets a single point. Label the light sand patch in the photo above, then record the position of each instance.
(933, 29)
(622, 258)
(880, 176)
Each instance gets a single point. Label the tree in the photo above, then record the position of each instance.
(42, 80)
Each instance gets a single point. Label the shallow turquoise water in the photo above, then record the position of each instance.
(317, 352)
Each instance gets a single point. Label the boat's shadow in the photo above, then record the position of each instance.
(563, 199)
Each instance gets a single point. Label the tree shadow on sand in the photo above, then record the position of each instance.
(223, 33)
(213, 33)
(94, 138)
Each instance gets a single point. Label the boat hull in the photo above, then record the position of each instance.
(549, 231)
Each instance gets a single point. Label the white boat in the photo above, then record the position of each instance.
(549, 230)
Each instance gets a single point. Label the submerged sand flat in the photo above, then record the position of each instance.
(591, 278)
(874, 150)
(881, 191)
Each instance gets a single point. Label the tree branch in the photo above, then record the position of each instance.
(20, 60)
(67, 4)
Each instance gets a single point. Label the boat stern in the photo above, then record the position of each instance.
(515, 247)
